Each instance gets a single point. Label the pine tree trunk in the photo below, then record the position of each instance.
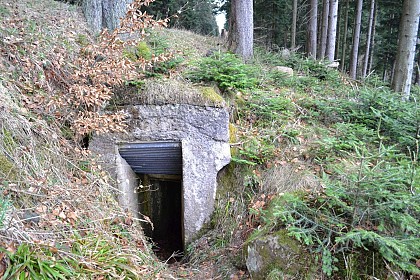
(312, 28)
(93, 14)
(232, 35)
(339, 30)
(344, 48)
(391, 59)
(368, 38)
(273, 35)
(384, 72)
(371, 56)
(104, 13)
(393, 70)
(407, 39)
(356, 39)
(243, 11)
(417, 82)
(332, 29)
(294, 20)
(324, 29)
(113, 11)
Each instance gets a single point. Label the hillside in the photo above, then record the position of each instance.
(325, 165)
(60, 217)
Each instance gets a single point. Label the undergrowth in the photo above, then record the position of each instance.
(361, 140)
(26, 263)
(371, 203)
(397, 122)
(154, 45)
(226, 70)
(368, 151)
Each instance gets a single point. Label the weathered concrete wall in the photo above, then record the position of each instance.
(204, 134)
(128, 184)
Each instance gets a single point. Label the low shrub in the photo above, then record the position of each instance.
(396, 121)
(226, 70)
(371, 204)
(268, 107)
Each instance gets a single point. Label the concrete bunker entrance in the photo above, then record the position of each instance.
(159, 194)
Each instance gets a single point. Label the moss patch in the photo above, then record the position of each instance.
(233, 133)
(226, 180)
(161, 92)
(278, 254)
(7, 168)
(8, 140)
(142, 50)
(233, 139)
(359, 265)
(211, 95)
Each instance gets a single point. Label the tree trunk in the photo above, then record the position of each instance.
(384, 72)
(407, 39)
(324, 30)
(245, 28)
(113, 11)
(332, 29)
(93, 14)
(393, 67)
(417, 82)
(104, 13)
(356, 39)
(273, 34)
(232, 34)
(368, 38)
(373, 38)
(294, 20)
(392, 31)
(312, 28)
(339, 30)
(344, 48)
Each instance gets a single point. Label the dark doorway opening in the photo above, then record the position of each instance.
(158, 166)
(160, 199)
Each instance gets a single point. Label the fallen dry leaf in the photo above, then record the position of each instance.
(56, 211)
(62, 215)
(53, 250)
(41, 209)
(3, 264)
(72, 215)
(11, 247)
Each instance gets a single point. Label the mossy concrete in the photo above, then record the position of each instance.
(166, 91)
(210, 95)
(276, 254)
(233, 139)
